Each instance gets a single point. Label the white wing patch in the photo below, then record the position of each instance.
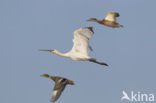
(56, 95)
(111, 16)
(55, 92)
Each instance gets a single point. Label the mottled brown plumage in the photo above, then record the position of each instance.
(110, 20)
(60, 84)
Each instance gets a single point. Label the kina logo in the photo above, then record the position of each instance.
(137, 96)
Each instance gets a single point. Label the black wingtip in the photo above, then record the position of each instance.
(90, 28)
(117, 14)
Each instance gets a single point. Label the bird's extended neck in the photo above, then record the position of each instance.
(99, 21)
(94, 20)
(53, 78)
(60, 54)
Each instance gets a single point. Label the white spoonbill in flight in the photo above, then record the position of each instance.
(80, 46)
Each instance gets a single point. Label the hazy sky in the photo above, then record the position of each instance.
(29, 25)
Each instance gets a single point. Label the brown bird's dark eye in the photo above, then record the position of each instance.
(63, 80)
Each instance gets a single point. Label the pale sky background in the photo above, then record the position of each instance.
(29, 25)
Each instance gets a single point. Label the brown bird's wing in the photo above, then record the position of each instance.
(57, 91)
(111, 16)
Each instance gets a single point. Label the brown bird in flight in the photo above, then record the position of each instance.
(60, 84)
(109, 20)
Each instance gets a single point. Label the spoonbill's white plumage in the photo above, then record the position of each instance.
(80, 47)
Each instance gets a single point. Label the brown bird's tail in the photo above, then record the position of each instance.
(94, 61)
(121, 26)
(70, 82)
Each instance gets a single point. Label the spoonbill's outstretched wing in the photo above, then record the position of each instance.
(81, 40)
(111, 16)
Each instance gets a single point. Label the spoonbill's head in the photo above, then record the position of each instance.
(92, 19)
(54, 51)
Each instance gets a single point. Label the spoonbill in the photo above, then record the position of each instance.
(109, 20)
(60, 84)
(80, 47)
